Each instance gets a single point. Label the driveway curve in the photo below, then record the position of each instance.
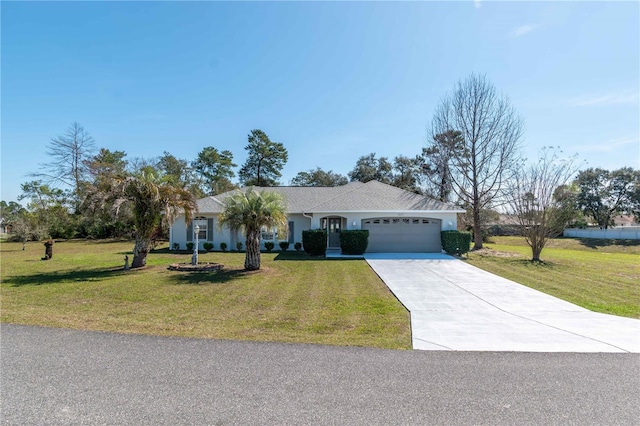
(456, 306)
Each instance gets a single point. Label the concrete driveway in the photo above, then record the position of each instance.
(456, 306)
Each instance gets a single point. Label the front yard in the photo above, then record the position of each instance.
(294, 298)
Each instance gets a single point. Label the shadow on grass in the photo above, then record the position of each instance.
(596, 243)
(528, 263)
(203, 277)
(104, 241)
(297, 255)
(85, 275)
(10, 250)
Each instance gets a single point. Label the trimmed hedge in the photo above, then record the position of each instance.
(455, 242)
(314, 242)
(354, 241)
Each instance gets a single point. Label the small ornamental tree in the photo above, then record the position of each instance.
(537, 201)
(250, 211)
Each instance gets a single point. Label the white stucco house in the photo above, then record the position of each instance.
(397, 220)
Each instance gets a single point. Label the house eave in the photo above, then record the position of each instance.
(383, 211)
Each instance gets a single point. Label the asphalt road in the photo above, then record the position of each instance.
(64, 377)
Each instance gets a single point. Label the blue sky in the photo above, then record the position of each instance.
(331, 81)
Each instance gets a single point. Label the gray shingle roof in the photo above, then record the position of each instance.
(355, 196)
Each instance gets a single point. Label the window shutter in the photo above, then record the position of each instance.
(190, 232)
(290, 232)
(210, 229)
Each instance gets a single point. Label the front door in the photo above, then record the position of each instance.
(334, 225)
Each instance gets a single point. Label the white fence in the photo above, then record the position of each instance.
(622, 233)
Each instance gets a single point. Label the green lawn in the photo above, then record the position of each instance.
(294, 298)
(600, 275)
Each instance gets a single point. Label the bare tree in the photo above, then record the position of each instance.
(537, 199)
(71, 154)
(491, 131)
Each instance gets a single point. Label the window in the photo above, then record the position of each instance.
(267, 234)
(202, 235)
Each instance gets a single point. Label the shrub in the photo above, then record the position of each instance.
(269, 245)
(176, 246)
(284, 245)
(239, 246)
(190, 246)
(297, 246)
(208, 246)
(223, 246)
(315, 242)
(354, 241)
(456, 242)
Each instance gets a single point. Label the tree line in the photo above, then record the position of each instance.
(472, 158)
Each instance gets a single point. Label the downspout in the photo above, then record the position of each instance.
(309, 217)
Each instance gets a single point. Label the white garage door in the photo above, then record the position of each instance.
(398, 235)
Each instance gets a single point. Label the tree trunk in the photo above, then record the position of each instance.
(536, 248)
(140, 252)
(252, 257)
(477, 231)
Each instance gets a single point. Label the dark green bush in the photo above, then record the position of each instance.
(314, 242)
(190, 246)
(176, 246)
(223, 246)
(354, 241)
(456, 242)
(269, 245)
(298, 246)
(284, 245)
(239, 245)
(208, 246)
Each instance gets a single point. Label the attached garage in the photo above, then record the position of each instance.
(398, 235)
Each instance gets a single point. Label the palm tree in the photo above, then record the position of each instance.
(250, 211)
(154, 202)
